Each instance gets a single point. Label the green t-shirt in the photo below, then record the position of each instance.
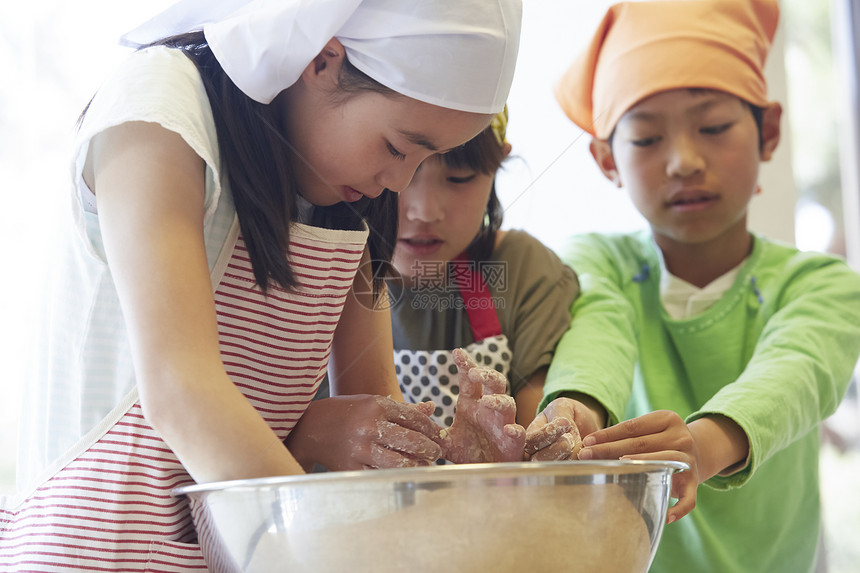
(775, 355)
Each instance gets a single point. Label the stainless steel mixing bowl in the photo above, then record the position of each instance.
(569, 516)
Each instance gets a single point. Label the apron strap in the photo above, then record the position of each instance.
(476, 298)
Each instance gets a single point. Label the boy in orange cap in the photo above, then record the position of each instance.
(721, 348)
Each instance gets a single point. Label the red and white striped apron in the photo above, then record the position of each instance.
(110, 508)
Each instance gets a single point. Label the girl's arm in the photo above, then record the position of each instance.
(365, 423)
(529, 396)
(362, 352)
(149, 186)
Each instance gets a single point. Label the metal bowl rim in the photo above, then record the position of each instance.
(436, 473)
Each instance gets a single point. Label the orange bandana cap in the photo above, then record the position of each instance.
(643, 48)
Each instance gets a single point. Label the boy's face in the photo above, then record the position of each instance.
(689, 160)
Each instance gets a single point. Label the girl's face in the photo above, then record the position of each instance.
(356, 145)
(690, 160)
(441, 212)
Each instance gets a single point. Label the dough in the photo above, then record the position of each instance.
(589, 528)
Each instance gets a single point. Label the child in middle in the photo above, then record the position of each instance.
(501, 295)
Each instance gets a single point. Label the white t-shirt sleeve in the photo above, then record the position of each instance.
(158, 85)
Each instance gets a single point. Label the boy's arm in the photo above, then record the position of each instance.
(799, 371)
(589, 381)
(596, 357)
(801, 365)
(709, 445)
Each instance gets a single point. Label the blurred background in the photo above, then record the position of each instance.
(53, 54)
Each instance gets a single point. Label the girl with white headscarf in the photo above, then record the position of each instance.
(232, 207)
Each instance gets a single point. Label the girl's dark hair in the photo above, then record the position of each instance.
(484, 154)
(257, 159)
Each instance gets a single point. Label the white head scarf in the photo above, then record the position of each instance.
(458, 54)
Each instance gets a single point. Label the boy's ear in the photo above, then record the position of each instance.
(324, 68)
(770, 130)
(506, 150)
(601, 150)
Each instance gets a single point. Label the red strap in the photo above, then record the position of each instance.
(477, 299)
